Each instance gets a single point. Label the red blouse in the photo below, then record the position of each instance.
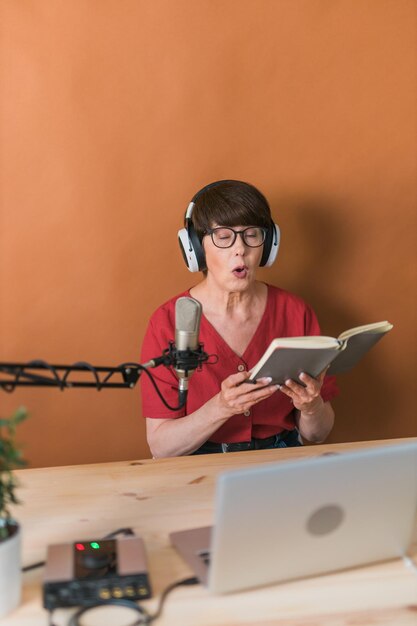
(286, 315)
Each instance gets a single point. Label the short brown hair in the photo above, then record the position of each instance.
(229, 203)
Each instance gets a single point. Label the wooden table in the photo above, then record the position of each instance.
(155, 497)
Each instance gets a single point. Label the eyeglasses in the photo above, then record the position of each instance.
(253, 236)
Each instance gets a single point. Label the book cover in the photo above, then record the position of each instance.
(288, 357)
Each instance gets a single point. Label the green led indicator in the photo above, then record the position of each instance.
(95, 545)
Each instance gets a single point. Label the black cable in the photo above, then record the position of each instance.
(47, 366)
(168, 406)
(63, 382)
(186, 581)
(27, 568)
(36, 378)
(145, 617)
(23, 376)
(128, 604)
(88, 367)
(119, 531)
(204, 358)
(151, 377)
(187, 360)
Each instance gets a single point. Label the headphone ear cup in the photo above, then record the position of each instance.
(191, 248)
(271, 246)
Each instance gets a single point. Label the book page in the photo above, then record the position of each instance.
(376, 327)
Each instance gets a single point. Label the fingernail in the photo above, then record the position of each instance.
(266, 380)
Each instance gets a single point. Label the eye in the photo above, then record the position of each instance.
(253, 233)
(223, 234)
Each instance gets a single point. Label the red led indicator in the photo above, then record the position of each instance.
(80, 546)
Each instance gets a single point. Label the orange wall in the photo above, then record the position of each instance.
(114, 113)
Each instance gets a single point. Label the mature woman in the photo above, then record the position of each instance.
(230, 232)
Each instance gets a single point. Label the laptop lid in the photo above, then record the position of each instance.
(277, 522)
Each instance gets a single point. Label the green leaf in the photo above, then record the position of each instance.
(19, 415)
(10, 459)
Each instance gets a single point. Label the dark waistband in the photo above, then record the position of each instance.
(240, 446)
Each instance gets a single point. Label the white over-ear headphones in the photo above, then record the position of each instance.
(192, 249)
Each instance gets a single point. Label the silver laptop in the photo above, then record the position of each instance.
(287, 520)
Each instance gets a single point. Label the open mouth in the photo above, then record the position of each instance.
(240, 272)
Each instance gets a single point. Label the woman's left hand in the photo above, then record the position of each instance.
(306, 399)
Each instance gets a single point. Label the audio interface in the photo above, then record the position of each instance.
(88, 572)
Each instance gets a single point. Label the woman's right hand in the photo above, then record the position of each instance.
(236, 396)
(183, 435)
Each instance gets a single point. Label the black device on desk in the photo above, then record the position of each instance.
(88, 572)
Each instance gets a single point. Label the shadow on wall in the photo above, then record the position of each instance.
(317, 241)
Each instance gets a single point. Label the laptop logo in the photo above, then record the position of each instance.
(325, 520)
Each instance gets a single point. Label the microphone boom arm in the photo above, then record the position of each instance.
(39, 373)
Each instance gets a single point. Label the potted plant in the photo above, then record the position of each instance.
(10, 566)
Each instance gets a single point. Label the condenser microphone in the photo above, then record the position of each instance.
(187, 328)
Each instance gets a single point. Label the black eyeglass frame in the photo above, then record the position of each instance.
(211, 231)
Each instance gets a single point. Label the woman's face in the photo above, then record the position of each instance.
(232, 268)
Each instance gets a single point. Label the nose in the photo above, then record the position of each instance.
(239, 246)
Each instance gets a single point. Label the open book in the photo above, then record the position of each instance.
(288, 357)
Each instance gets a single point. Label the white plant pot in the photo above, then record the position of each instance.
(10, 573)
